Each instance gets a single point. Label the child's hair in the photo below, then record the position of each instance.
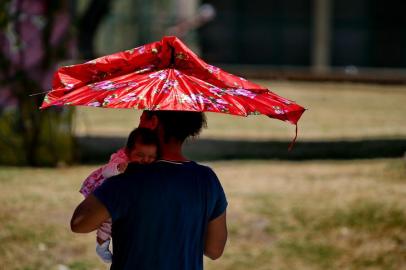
(142, 136)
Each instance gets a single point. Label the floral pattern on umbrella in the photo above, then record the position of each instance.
(165, 75)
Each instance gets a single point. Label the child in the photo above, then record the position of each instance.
(141, 147)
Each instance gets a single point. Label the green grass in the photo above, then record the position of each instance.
(316, 215)
(318, 254)
(335, 111)
(281, 215)
(364, 215)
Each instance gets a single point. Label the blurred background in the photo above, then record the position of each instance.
(336, 201)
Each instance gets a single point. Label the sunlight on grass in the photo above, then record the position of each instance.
(364, 215)
(322, 255)
(309, 215)
(282, 215)
(335, 111)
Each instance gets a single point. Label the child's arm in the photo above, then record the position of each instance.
(117, 164)
(90, 183)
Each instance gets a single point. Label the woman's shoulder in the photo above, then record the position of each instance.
(203, 167)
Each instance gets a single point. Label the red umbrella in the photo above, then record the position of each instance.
(164, 75)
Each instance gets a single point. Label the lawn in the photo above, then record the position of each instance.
(335, 111)
(282, 215)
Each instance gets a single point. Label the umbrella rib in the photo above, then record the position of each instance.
(165, 75)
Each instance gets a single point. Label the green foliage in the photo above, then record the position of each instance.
(54, 144)
(29, 136)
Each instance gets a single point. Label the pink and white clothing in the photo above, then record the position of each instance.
(96, 178)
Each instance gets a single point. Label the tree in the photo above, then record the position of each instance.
(36, 35)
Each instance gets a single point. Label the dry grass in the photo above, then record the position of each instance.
(335, 111)
(282, 215)
(315, 215)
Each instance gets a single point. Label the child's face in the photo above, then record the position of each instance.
(143, 153)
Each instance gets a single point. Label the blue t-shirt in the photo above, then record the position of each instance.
(160, 213)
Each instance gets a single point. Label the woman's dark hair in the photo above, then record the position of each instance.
(180, 124)
(142, 136)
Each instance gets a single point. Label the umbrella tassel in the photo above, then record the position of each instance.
(293, 141)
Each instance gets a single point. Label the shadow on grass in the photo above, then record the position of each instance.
(98, 149)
